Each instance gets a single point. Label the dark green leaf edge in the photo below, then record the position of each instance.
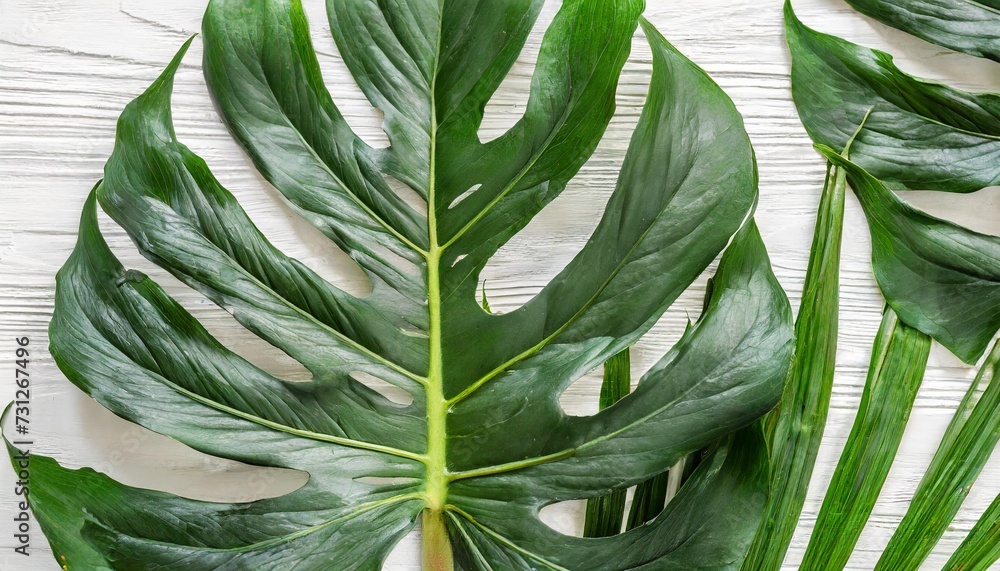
(920, 135)
(968, 26)
(939, 277)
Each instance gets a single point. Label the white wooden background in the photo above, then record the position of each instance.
(67, 67)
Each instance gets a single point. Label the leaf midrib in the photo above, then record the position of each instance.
(436, 458)
(288, 538)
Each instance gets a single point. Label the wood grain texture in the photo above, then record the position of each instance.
(67, 68)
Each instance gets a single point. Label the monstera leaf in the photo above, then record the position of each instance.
(484, 445)
(939, 277)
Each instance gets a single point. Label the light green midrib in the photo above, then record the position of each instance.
(282, 540)
(436, 458)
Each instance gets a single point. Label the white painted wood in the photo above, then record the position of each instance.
(67, 67)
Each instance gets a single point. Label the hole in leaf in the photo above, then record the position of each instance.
(364, 119)
(413, 331)
(379, 481)
(219, 323)
(565, 517)
(409, 196)
(139, 457)
(296, 238)
(405, 552)
(276, 219)
(400, 263)
(391, 392)
(507, 105)
(464, 195)
(514, 280)
(583, 396)
(979, 211)
(538, 252)
(543, 248)
(911, 54)
(269, 211)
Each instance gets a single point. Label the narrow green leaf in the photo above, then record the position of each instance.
(899, 357)
(605, 513)
(617, 379)
(921, 134)
(939, 277)
(967, 445)
(981, 549)
(484, 301)
(649, 499)
(970, 26)
(800, 418)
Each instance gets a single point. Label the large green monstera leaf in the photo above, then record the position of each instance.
(484, 445)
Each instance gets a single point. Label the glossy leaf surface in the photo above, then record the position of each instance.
(966, 447)
(899, 358)
(484, 444)
(796, 426)
(981, 548)
(970, 26)
(920, 134)
(939, 277)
